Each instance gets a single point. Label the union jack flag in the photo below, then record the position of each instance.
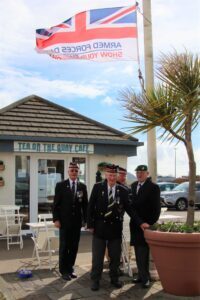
(98, 34)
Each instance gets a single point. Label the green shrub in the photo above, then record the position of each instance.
(177, 227)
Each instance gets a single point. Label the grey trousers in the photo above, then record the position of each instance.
(142, 261)
(98, 252)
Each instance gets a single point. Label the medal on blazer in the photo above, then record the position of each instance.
(79, 195)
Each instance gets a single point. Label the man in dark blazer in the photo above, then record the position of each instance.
(106, 207)
(146, 203)
(69, 215)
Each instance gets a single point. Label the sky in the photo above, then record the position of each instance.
(93, 88)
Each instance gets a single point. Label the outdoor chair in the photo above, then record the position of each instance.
(46, 242)
(10, 225)
(13, 230)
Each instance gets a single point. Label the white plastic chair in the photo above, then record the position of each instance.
(125, 257)
(2, 226)
(13, 230)
(45, 217)
(46, 242)
(11, 222)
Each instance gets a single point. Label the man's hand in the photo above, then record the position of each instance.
(144, 226)
(90, 230)
(57, 224)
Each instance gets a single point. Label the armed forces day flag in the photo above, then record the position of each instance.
(99, 35)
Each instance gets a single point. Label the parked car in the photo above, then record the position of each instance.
(165, 186)
(178, 197)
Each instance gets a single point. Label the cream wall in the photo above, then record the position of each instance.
(7, 192)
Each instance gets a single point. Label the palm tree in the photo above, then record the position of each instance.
(173, 106)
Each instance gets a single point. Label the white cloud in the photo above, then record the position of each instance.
(16, 84)
(109, 101)
(129, 70)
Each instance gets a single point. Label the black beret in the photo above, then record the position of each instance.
(111, 168)
(121, 170)
(73, 165)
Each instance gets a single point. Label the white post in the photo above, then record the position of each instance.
(149, 83)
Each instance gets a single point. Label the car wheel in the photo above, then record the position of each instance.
(181, 204)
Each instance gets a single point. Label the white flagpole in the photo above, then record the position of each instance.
(149, 83)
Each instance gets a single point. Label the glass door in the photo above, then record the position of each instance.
(22, 186)
(81, 161)
(50, 171)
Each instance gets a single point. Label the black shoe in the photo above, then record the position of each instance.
(117, 284)
(73, 275)
(66, 277)
(136, 280)
(95, 286)
(146, 284)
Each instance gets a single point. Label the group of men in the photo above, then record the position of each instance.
(103, 216)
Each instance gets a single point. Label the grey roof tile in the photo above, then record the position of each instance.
(35, 116)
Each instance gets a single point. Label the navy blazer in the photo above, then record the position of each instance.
(70, 211)
(111, 227)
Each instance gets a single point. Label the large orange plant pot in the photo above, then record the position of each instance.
(177, 259)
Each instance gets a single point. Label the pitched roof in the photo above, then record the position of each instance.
(36, 117)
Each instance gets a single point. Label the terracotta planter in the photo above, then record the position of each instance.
(177, 259)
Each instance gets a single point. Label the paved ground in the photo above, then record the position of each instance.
(47, 285)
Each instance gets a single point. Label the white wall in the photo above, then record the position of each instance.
(7, 192)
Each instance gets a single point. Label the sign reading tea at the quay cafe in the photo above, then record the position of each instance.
(20, 146)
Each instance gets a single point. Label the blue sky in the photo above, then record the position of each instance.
(91, 88)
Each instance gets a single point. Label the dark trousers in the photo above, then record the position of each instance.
(142, 261)
(98, 252)
(69, 241)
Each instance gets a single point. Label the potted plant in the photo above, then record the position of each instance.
(2, 166)
(1, 181)
(173, 105)
(175, 248)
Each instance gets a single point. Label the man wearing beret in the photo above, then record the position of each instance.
(69, 214)
(121, 176)
(146, 203)
(106, 207)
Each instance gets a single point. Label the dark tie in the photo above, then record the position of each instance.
(73, 188)
(110, 197)
(138, 187)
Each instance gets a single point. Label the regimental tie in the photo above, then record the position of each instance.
(110, 204)
(110, 196)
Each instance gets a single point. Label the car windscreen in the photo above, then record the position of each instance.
(183, 187)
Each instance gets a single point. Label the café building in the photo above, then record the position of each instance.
(39, 138)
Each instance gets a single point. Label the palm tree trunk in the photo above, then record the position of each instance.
(192, 174)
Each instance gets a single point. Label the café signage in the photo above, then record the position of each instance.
(53, 147)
